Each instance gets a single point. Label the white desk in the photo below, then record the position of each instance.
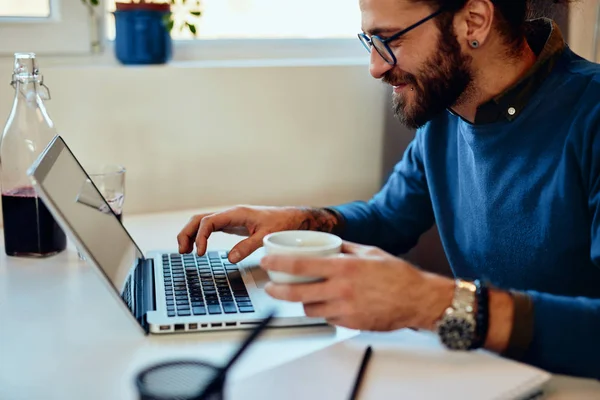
(63, 337)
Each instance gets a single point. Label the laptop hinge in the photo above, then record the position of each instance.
(145, 295)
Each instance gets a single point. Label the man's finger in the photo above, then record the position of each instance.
(301, 292)
(323, 267)
(360, 250)
(217, 222)
(188, 233)
(326, 309)
(246, 247)
(352, 248)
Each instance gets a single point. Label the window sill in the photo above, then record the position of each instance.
(231, 53)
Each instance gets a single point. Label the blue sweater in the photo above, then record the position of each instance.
(516, 203)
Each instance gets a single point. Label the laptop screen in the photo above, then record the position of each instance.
(81, 206)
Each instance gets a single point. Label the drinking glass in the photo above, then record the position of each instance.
(110, 181)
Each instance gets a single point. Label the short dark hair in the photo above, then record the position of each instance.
(511, 15)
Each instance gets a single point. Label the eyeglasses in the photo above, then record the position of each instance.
(382, 46)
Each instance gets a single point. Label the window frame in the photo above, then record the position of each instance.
(46, 36)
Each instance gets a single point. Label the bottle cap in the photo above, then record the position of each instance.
(26, 70)
(25, 65)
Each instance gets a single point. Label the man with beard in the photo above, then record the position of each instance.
(506, 161)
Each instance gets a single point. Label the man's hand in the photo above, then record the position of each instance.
(254, 222)
(368, 289)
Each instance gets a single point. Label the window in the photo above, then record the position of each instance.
(44, 27)
(259, 19)
(66, 27)
(25, 8)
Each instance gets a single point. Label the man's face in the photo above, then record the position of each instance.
(431, 73)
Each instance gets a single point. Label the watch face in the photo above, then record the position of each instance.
(457, 333)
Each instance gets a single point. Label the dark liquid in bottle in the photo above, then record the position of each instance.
(29, 228)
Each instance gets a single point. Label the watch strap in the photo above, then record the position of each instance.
(464, 296)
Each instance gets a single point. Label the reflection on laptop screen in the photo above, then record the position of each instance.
(85, 211)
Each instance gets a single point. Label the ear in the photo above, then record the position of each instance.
(474, 23)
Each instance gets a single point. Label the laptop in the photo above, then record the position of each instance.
(163, 291)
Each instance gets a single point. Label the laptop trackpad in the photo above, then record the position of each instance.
(260, 276)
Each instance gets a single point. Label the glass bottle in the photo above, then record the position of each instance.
(29, 228)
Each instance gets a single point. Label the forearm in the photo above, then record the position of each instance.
(501, 313)
(372, 223)
(363, 225)
(564, 328)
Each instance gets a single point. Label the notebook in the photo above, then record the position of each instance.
(404, 365)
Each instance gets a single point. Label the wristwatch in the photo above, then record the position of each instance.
(457, 329)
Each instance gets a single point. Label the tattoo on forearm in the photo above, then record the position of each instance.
(318, 219)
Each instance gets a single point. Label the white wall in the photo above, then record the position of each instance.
(196, 135)
(582, 27)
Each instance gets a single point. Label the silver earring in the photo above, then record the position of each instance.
(474, 44)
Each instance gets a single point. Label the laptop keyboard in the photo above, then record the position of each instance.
(203, 285)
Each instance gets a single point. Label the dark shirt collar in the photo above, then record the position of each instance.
(545, 39)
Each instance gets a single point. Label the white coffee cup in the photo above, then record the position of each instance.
(303, 244)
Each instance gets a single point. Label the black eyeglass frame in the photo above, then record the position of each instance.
(368, 41)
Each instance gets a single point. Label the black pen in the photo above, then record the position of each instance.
(361, 372)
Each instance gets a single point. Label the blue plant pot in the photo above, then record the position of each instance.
(142, 37)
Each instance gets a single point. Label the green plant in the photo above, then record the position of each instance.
(189, 18)
(194, 11)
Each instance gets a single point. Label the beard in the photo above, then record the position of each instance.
(442, 82)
